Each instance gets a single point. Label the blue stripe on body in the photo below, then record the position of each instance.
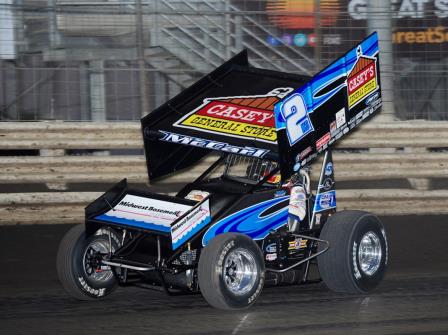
(133, 223)
(250, 222)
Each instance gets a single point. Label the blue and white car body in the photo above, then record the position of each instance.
(264, 128)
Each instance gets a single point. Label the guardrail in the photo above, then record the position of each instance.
(415, 151)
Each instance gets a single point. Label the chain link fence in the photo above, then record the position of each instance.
(119, 59)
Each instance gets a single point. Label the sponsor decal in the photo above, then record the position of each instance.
(372, 98)
(340, 118)
(145, 212)
(214, 145)
(325, 201)
(279, 193)
(326, 185)
(271, 257)
(190, 224)
(305, 153)
(148, 208)
(323, 140)
(362, 79)
(271, 248)
(354, 121)
(318, 218)
(238, 116)
(197, 195)
(298, 243)
(333, 127)
(328, 169)
(308, 159)
(337, 133)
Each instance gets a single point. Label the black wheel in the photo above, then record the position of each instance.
(231, 271)
(357, 257)
(78, 264)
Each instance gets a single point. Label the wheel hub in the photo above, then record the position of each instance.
(92, 261)
(240, 271)
(369, 253)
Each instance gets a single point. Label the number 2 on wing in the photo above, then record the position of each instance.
(297, 121)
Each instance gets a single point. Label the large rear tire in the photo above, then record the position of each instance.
(357, 256)
(79, 271)
(231, 271)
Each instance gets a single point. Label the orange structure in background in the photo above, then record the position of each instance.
(301, 14)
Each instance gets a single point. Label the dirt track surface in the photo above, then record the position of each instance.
(413, 299)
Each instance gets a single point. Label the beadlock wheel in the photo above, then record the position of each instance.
(240, 271)
(369, 253)
(231, 271)
(93, 268)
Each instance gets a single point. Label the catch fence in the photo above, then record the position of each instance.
(119, 59)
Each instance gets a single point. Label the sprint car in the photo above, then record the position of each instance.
(251, 218)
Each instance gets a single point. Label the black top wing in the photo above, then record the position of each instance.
(230, 110)
(262, 113)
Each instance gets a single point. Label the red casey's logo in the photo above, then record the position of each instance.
(362, 79)
(239, 116)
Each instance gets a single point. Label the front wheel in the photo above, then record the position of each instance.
(79, 265)
(357, 257)
(231, 271)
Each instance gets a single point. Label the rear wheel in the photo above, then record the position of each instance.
(79, 265)
(231, 271)
(357, 257)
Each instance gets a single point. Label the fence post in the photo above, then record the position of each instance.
(238, 32)
(140, 40)
(380, 20)
(97, 91)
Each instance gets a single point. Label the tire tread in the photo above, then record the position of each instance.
(208, 259)
(333, 265)
(64, 261)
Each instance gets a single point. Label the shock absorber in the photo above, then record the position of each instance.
(299, 185)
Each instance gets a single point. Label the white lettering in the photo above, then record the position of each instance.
(265, 117)
(215, 109)
(281, 92)
(203, 143)
(295, 114)
(250, 116)
(227, 112)
(406, 9)
(441, 8)
(357, 9)
(402, 9)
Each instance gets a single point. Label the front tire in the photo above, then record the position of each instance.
(78, 267)
(231, 271)
(357, 257)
